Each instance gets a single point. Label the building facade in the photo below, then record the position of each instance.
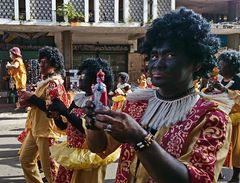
(224, 16)
(111, 30)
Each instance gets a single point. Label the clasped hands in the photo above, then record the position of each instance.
(119, 125)
(215, 84)
(57, 108)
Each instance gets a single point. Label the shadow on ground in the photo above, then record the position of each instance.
(9, 136)
(12, 146)
(17, 129)
(9, 118)
(11, 179)
(109, 181)
(10, 162)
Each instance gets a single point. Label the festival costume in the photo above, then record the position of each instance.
(42, 130)
(142, 81)
(234, 88)
(200, 140)
(120, 96)
(118, 102)
(18, 74)
(230, 103)
(77, 162)
(235, 117)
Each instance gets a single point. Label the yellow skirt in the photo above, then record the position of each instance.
(80, 159)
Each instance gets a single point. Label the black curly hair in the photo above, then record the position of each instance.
(53, 55)
(92, 66)
(232, 58)
(188, 31)
(124, 76)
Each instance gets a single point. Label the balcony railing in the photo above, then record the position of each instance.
(128, 11)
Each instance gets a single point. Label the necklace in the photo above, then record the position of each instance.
(183, 94)
(166, 112)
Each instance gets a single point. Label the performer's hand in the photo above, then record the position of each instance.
(57, 107)
(5, 77)
(120, 125)
(218, 85)
(210, 86)
(8, 65)
(209, 89)
(24, 95)
(23, 104)
(89, 110)
(90, 114)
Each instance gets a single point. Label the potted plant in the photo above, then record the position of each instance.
(74, 17)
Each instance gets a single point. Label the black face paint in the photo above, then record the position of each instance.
(169, 67)
(225, 69)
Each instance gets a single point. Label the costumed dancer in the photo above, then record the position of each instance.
(228, 84)
(120, 94)
(170, 134)
(16, 69)
(142, 81)
(43, 132)
(77, 162)
(123, 84)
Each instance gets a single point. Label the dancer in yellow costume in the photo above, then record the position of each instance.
(77, 163)
(43, 131)
(225, 90)
(16, 69)
(142, 81)
(123, 89)
(229, 65)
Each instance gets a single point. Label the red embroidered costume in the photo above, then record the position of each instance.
(200, 142)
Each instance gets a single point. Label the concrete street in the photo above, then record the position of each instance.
(11, 125)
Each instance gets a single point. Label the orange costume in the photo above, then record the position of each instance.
(18, 74)
(142, 82)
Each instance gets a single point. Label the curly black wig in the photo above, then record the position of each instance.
(92, 66)
(232, 58)
(124, 76)
(188, 31)
(53, 55)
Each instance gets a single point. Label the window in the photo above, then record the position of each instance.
(22, 10)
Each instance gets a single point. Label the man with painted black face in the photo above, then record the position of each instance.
(77, 163)
(43, 131)
(228, 83)
(170, 134)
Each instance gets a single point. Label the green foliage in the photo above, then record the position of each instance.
(21, 18)
(150, 19)
(69, 11)
(130, 19)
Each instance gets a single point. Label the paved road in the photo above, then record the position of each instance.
(11, 124)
